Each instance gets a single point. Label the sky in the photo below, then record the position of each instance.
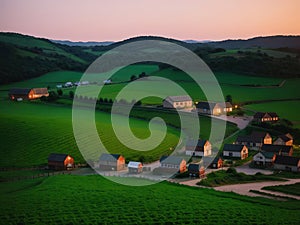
(113, 20)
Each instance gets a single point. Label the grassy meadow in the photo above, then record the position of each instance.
(69, 199)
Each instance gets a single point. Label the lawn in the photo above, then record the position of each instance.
(68, 199)
(292, 189)
(285, 109)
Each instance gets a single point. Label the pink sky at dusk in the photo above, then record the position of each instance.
(112, 20)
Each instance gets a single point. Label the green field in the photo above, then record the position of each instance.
(270, 52)
(285, 109)
(68, 199)
(30, 132)
(292, 189)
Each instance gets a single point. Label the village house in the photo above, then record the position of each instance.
(196, 170)
(285, 139)
(135, 167)
(59, 161)
(198, 148)
(265, 117)
(173, 162)
(216, 163)
(264, 158)
(255, 140)
(178, 102)
(214, 108)
(27, 93)
(278, 149)
(235, 150)
(113, 162)
(287, 163)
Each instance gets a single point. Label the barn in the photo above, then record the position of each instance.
(27, 93)
(111, 162)
(135, 167)
(59, 161)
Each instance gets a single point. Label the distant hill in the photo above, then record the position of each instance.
(81, 43)
(23, 57)
(279, 41)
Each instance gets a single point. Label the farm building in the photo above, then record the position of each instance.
(265, 117)
(27, 93)
(264, 158)
(255, 140)
(235, 150)
(285, 139)
(175, 162)
(178, 102)
(58, 161)
(214, 108)
(217, 163)
(288, 163)
(135, 167)
(114, 162)
(198, 148)
(196, 170)
(278, 149)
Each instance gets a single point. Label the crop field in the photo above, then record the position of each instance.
(293, 189)
(285, 109)
(69, 199)
(30, 132)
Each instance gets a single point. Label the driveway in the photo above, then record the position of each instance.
(251, 171)
(241, 121)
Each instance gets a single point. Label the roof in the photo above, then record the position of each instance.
(180, 98)
(109, 157)
(19, 91)
(57, 157)
(205, 105)
(267, 155)
(256, 136)
(171, 160)
(40, 91)
(276, 148)
(216, 159)
(194, 167)
(285, 137)
(260, 115)
(228, 105)
(287, 160)
(198, 143)
(233, 147)
(133, 164)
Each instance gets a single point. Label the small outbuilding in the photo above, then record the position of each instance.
(235, 150)
(59, 161)
(135, 167)
(287, 163)
(196, 170)
(217, 163)
(111, 162)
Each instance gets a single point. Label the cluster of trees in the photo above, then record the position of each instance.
(141, 75)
